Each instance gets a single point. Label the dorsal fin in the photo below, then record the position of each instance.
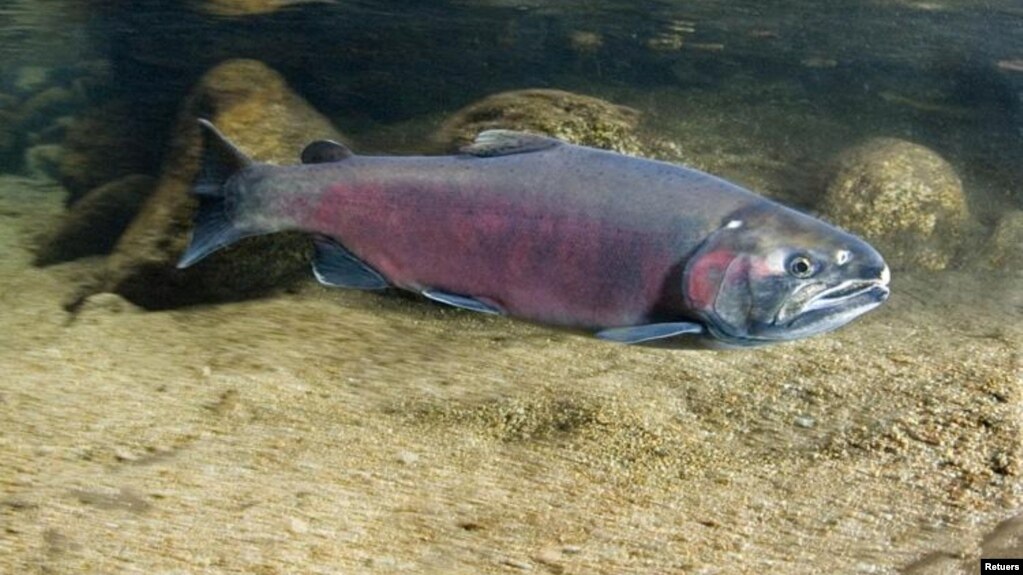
(506, 142)
(324, 151)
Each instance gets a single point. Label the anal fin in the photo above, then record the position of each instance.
(334, 265)
(464, 302)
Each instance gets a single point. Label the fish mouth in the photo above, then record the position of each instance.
(824, 311)
(848, 293)
(836, 306)
(812, 309)
(819, 308)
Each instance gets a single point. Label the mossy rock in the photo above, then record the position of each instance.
(43, 160)
(30, 79)
(1005, 246)
(571, 117)
(253, 106)
(904, 198)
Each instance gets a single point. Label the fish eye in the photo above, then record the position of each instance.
(801, 266)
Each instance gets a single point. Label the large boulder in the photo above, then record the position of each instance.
(253, 106)
(1005, 246)
(572, 117)
(904, 198)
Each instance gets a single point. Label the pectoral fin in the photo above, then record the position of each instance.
(649, 332)
(334, 265)
(464, 302)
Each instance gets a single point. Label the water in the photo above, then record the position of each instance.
(241, 418)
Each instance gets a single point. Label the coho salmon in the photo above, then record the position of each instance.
(630, 250)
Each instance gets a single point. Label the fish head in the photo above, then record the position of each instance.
(771, 274)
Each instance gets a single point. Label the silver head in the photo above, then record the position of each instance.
(772, 274)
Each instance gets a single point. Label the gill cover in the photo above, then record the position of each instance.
(716, 282)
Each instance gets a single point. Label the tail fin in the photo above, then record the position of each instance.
(212, 226)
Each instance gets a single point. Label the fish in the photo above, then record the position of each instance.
(626, 249)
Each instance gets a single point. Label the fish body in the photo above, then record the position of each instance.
(632, 250)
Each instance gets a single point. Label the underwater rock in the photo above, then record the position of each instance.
(572, 117)
(904, 198)
(93, 225)
(41, 110)
(1005, 247)
(102, 307)
(252, 105)
(52, 133)
(45, 105)
(102, 145)
(29, 79)
(43, 160)
(585, 41)
(247, 7)
(106, 303)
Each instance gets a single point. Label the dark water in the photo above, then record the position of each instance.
(942, 72)
(393, 60)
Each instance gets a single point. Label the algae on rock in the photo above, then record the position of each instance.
(904, 198)
(571, 117)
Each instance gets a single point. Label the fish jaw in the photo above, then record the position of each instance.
(831, 308)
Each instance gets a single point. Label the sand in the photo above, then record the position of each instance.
(329, 431)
